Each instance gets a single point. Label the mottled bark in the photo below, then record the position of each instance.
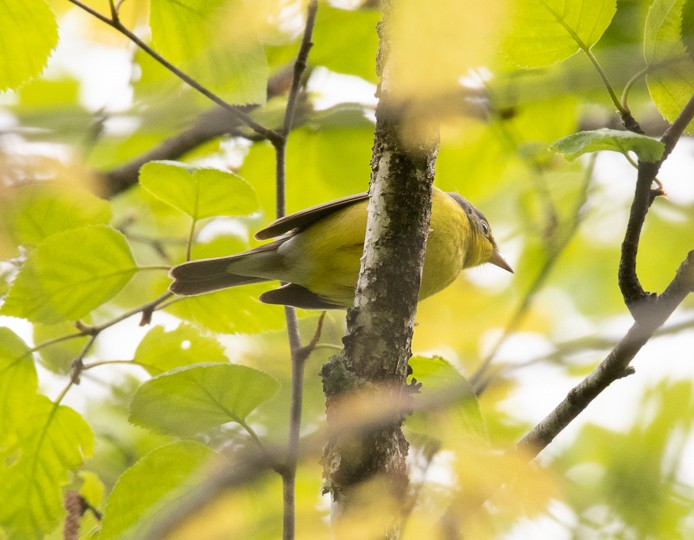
(379, 326)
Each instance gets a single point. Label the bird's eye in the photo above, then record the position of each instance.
(485, 228)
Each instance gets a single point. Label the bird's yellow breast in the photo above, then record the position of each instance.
(325, 257)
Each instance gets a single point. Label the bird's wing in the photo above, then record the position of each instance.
(304, 218)
(295, 295)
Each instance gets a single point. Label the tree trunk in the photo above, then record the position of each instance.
(377, 346)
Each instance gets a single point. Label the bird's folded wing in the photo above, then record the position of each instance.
(304, 218)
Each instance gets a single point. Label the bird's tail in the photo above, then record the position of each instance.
(207, 275)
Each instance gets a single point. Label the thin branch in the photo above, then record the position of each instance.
(115, 23)
(300, 68)
(298, 353)
(76, 370)
(145, 309)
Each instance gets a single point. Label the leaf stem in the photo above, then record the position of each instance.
(603, 76)
(254, 436)
(154, 267)
(628, 120)
(630, 83)
(92, 365)
(189, 242)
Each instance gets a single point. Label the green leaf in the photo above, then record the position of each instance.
(52, 441)
(29, 34)
(584, 142)
(36, 212)
(207, 40)
(161, 351)
(661, 39)
(18, 381)
(547, 31)
(235, 310)
(193, 399)
(151, 485)
(92, 490)
(71, 273)
(335, 35)
(670, 78)
(199, 192)
(687, 27)
(463, 417)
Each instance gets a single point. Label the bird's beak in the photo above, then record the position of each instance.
(499, 261)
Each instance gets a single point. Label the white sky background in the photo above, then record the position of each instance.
(106, 71)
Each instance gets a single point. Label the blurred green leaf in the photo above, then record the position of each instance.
(37, 211)
(463, 418)
(334, 163)
(18, 383)
(161, 351)
(336, 33)
(235, 310)
(635, 472)
(151, 486)
(206, 38)
(29, 34)
(584, 142)
(192, 399)
(547, 31)
(71, 273)
(199, 192)
(52, 440)
(92, 490)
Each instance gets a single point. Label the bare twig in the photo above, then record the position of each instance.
(299, 354)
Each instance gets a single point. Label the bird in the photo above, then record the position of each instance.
(317, 252)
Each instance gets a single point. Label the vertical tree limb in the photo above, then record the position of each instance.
(379, 326)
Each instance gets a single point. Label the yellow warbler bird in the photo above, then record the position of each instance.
(319, 252)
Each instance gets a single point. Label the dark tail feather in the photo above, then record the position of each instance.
(206, 275)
